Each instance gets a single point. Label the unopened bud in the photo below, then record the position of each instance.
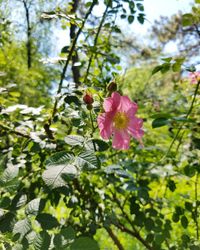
(88, 99)
(112, 87)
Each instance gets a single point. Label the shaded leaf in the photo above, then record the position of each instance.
(22, 227)
(47, 221)
(74, 140)
(87, 160)
(34, 206)
(160, 122)
(42, 241)
(53, 176)
(84, 243)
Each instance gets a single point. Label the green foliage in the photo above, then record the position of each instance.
(61, 185)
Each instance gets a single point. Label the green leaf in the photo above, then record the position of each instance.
(72, 99)
(150, 237)
(34, 206)
(167, 59)
(149, 224)
(74, 140)
(10, 173)
(165, 68)
(123, 16)
(131, 19)
(47, 221)
(55, 175)
(160, 122)
(99, 144)
(184, 221)
(68, 233)
(87, 160)
(140, 18)
(156, 69)
(118, 170)
(57, 241)
(171, 185)
(6, 222)
(189, 170)
(22, 227)
(176, 67)
(58, 166)
(84, 243)
(65, 49)
(179, 210)
(159, 238)
(5, 202)
(59, 158)
(197, 1)
(188, 206)
(161, 115)
(140, 6)
(187, 19)
(175, 217)
(185, 238)
(42, 241)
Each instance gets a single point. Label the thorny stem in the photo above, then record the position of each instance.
(180, 128)
(71, 51)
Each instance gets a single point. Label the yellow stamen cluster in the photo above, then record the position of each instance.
(120, 120)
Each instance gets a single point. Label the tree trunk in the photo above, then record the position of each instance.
(75, 58)
(28, 43)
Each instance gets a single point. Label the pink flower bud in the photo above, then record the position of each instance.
(88, 99)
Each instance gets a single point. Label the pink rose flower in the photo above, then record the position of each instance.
(119, 121)
(194, 77)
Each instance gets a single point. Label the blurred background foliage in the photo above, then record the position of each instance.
(61, 186)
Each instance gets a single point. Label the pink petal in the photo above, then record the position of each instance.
(135, 128)
(105, 125)
(107, 104)
(121, 139)
(127, 105)
(111, 103)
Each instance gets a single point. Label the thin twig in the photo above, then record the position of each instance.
(96, 40)
(71, 51)
(93, 129)
(135, 232)
(180, 128)
(14, 131)
(135, 235)
(114, 238)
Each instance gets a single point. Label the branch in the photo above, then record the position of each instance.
(14, 131)
(75, 58)
(96, 39)
(28, 44)
(180, 128)
(135, 234)
(69, 58)
(114, 238)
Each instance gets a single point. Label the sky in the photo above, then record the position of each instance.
(156, 8)
(153, 10)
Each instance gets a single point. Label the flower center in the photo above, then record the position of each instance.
(120, 120)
